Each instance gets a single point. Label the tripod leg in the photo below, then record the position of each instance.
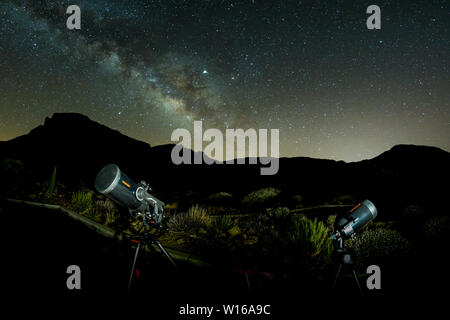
(161, 247)
(357, 282)
(337, 276)
(134, 264)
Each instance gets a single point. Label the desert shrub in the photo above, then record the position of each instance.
(436, 228)
(310, 239)
(260, 197)
(220, 198)
(280, 219)
(297, 201)
(413, 211)
(220, 241)
(13, 172)
(381, 224)
(221, 210)
(82, 201)
(171, 206)
(345, 199)
(110, 217)
(214, 237)
(261, 227)
(191, 196)
(192, 221)
(378, 245)
(107, 209)
(279, 212)
(105, 205)
(331, 220)
(224, 225)
(11, 165)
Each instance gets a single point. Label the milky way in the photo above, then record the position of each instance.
(309, 68)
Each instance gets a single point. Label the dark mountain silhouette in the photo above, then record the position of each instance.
(80, 147)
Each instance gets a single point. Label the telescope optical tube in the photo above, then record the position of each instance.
(356, 219)
(112, 182)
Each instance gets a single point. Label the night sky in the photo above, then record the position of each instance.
(311, 69)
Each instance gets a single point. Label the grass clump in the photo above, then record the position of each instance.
(225, 225)
(310, 239)
(82, 201)
(192, 221)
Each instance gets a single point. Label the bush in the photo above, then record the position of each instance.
(413, 211)
(107, 210)
(82, 201)
(345, 199)
(375, 246)
(279, 213)
(225, 225)
(298, 201)
(12, 171)
(310, 238)
(260, 197)
(171, 206)
(331, 220)
(261, 227)
(297, 198)
(220, 198)
(437, 228)
(215, 237)
(192, 221)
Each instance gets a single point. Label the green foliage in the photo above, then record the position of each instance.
(311, 239)
(225, 225)
(297, 198)
(220, 198)
(437, 228)
(82, 201)
(331, 220)
(219, 240)
(192, 221)
(260, 197)
(216, 237)
(107, 211)
(278, 213)
(51, 186)
(375, 246)
(262, 227)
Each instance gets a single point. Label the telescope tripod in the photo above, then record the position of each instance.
(346, 260)
(146, 242)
